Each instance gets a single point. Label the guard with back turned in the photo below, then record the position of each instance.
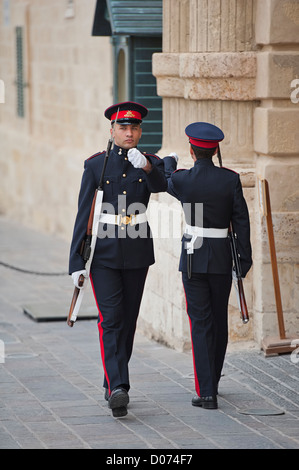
(212, 199)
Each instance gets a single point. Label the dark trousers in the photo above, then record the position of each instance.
(207, 298)
(118, 294)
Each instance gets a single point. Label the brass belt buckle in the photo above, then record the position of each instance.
(127, 219)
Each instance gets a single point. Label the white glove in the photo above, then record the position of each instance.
(76, 276)
(174, 155)
(137, 159)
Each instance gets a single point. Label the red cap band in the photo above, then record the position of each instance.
(206, 144)
(126, 114)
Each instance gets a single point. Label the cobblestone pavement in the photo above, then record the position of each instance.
(51, 393)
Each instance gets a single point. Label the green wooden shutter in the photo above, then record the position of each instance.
(144, 90)
(135, 17)
(20, 72)
(135, 27)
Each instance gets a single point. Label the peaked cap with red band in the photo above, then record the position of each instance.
(204, 135)
(128, 112)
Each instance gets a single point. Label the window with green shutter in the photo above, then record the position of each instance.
(20, 72)
(144, 90)
(135, 28)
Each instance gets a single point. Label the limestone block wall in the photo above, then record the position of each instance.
(68, 76)
(235, 64)
(206, 72)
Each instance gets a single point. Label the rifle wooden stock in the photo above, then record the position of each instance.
(74, 300)
(85, 246)
(238, 271)
(243, 305)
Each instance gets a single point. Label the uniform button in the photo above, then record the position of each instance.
(107, 181)
(124, 175)
(123, 210)
(126, 158)
(140, 180)
(124, 192)
(122, 228)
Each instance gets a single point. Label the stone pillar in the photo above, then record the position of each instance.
(276, 142)
(206, 72)
(234, 63)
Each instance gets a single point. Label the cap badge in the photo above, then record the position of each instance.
(129, 114)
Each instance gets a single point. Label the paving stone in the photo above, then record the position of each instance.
(51, 394)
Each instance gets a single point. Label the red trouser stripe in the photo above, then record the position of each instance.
(101, 335)
(194, 366)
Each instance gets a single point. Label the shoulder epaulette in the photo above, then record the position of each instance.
(151, 155)
(95, 155)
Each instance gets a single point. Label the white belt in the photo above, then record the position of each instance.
(203, 233)
(118, 219)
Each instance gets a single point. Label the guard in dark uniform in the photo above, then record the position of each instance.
(124, 249)
(211, 197)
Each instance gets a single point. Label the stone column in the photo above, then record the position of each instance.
(206, 72)
(234, 63)
(276, 142)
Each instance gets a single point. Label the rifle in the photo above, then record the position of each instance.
(86, 251)
(89, 241)
(238, 281)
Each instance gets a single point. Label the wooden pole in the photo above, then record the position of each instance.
(273, 345)
(279, 310)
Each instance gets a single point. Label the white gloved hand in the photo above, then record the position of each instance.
(76, 275)
(174, 155)
(137, 159)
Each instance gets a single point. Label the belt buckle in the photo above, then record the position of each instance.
(127, 219)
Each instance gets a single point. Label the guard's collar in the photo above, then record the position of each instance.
(120, 151)
(204, 162)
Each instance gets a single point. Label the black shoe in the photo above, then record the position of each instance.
(106, 394)
(209, 403)
(119, 398)
(119, 412)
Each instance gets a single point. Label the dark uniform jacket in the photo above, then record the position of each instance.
(123, 185)
(220, 191)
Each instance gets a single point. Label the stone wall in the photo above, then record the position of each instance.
(69, 77)
(276, 143)
(231, 63)
(207, 72)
